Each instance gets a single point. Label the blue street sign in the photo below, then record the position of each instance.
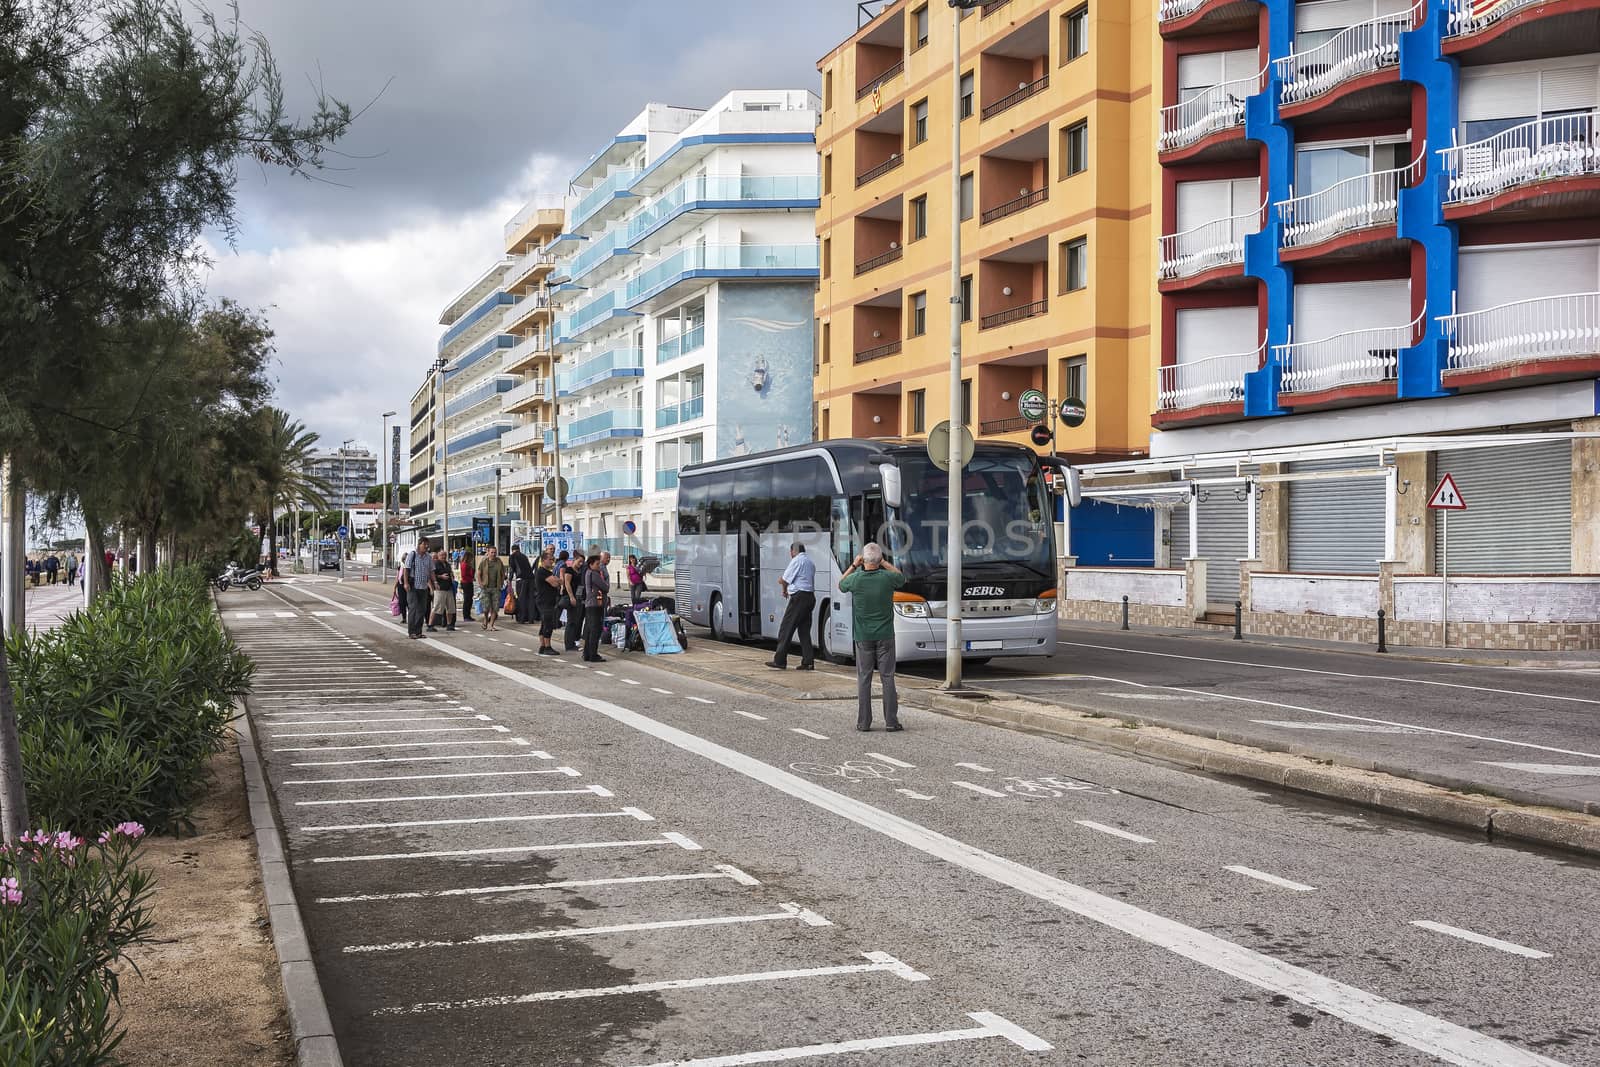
(344, 531)
(566, 527)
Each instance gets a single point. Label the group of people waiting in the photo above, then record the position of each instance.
(538, 591)
(50, 569)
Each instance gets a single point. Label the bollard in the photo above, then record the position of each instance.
(1124, 611)
(1383, 644)
(1238, 620)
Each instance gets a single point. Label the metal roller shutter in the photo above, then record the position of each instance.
(1224, 531)
(1335, 525)
(1519, 510)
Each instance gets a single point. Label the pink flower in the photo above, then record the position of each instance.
(10, 892)
(128, 829)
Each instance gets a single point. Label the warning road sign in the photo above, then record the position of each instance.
(1447, 497)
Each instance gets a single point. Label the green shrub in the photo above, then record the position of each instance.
(121, 706)
(69, 912)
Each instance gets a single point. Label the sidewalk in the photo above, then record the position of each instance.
(1462, 804)
(45, 606)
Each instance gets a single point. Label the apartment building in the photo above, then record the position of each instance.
(1056, 175)
(530, 243)
(681, 289)
(1380, 265)
(347, 472)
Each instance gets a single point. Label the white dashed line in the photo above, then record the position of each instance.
(808, 733)
(1481, 939)
(663, 692)
(1271, 879)
(985, 790)
(891, 761)
(976, 767)
(702, 700)
(1114, 832)
(750, 715)
(629, 681)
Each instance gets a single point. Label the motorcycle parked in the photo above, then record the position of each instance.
(234, 574)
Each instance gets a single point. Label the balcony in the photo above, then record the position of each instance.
(867, 355)
(498, 343)
(1364, 202)
(880, 260)
(612, 242)
(1522, 158)
(525, 478)
(595, 202)
(601, 427)
(1207, 113)
(525, 353)
(1363, 49)
(723, 261)
(474, 439)
(590, 315)
(529, 267)
(1014, 424)
(615, 363)
(478, 396)
(667, 479)
(1210, 246)
(1526, 334)
(1214, 380)
(725, 192)
(894, 71)
(682, 345)
(1356, 357)
(528, 437)
(526, 396)
(881, 169)
(1016, 314)
(472, 318)
(603, 485)
(1011, 100)
(523, 310)
(1177, 18)
(1013, 206)
(1474, 16)
(673, 414)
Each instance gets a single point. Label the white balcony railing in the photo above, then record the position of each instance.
(531, 433)
(1526, 331)
(1362, 49)
(1562, 146)
(1350, 358)
(1358, 203)
(536, 390)
(525, 478)
(525, 350)
(1177, 9)
(1215, 380)
(1470, 16)
(1219, 107)
(1218, 243)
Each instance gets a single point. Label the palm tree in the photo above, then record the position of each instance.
(282, 475)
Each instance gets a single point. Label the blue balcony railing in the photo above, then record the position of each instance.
(473, 317)
(600, 427)
(667, 479)
(616, 183)
(588, 315)
(617, 363)
(681, 345)
(594, 253)
(479, 394)
(673, 414)
(602, 484)
(724, 261)
(711, 190)
(468, 441)
(498, 343)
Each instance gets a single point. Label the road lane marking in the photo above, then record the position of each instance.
(628, 813)
(879, 961)
(419, 759)
(891, 761)
(1341, 727)
(808, 733)
(1411, 1027)
(357, 722)
(596, 790)
(608, 674)
(658, 689)
(914, 795)
(398, 733)
(664, 839)
(748, 714)
(702, 700)
(629, 681)
(568, 771)
(985, 790)
(976, 767)
(787, 911)
(401, 744)
(1547, 768)
(1482, 939)
(682, 841)
(993, 1026)
(1113, 831)
(1272, 879)
(722, 871)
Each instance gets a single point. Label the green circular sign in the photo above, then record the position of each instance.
(1032, 405)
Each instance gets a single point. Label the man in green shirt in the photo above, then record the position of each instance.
(871, 582)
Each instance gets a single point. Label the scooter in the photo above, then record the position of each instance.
(234, 575)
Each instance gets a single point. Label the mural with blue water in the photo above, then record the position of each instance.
(763, 368)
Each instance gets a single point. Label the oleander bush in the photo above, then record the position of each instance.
(70, 910)
(120, 707)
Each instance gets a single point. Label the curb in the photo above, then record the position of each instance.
(309, 1022)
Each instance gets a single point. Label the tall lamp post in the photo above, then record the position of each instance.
(344, 495)
(953, 642)
(444, 449)
(383, 514)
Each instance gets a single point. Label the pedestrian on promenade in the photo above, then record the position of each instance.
(635, 580)
(522, 584)
(72, 568)
(419, 588)
(596, 592)
(547, 588)
(871, 581)
(572, 572)
(492, 582)
(799, 587)
(444, 592)
(469, 569)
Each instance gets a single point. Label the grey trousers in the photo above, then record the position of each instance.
(879, 656)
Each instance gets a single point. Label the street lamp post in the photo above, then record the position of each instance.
(444, 449)
(383, 514)
(344, 496)
(494, 522)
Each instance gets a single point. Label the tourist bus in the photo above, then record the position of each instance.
(737, 518)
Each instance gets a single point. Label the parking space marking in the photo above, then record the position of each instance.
(993, 1026)
(420, 759)
(355, 722)
(401, 744)
(878, 961)
(1272, 879)
(983, 789)
(1090, 824)
(596, 790)
(722, 871)
(551, 816)
(808, 733)
(399, 733)
(1482, 939)
(786, 911)
(568, 771)
(506, 850)
(891, 761)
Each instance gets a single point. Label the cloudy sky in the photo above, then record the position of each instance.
(471, 107)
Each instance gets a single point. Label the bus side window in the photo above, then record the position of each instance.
(691, 499)
(843, 544)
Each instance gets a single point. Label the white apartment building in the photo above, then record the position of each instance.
(682, 288)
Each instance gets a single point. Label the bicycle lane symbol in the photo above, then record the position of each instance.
(850, 771)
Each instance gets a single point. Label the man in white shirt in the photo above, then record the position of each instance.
(799, 585)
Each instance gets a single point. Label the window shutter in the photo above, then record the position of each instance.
(1486, 96)
(1569, 89)
(1332, 308)
(1207, 332)
(1491, 277)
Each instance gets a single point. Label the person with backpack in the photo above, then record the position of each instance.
(522, 585)
(596, 596)
(419, 588)
(444, 593)
(572, 591)
(547, 588)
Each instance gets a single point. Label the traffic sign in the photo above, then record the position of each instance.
(566, 527)
(1032, 405)
(1074, 411)
(343, 532)
(939, 445)
(1447, 497)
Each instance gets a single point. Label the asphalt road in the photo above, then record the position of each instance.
(504, 859)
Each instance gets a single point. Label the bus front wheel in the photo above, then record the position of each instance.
(830, 652)
(719, 620)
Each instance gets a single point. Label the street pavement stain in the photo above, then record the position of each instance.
(357, 985)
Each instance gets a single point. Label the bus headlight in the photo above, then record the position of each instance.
(1046, 604)
(912, 610)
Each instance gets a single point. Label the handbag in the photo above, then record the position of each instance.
(510, 602)
(394, 604)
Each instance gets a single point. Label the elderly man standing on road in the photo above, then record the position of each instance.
(871, 581)
(419, 586)
(799, 586)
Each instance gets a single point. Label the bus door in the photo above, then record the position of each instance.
(749, 576)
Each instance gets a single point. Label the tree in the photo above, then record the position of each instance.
(281, 471)
(375, 495)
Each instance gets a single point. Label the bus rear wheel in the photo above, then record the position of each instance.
(719, 620)
(825, 646)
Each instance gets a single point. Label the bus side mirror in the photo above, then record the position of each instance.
(891, 484)
(1073, 487)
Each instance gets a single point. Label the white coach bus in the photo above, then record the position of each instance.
(738, 517)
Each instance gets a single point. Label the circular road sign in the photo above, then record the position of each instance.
(566, 527)
(939, 445)
(1074, 411)
(556, 489)
(344, 531)
(1032, 405)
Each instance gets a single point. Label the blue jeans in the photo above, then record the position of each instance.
(879, 656)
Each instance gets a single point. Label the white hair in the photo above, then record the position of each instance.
(872, 554)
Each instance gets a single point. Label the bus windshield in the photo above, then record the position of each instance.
(1006, 516)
